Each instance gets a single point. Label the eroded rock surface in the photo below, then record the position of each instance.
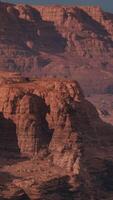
(52, 142)
(35, 38)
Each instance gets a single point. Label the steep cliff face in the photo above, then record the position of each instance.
(104, 18)
(83, 28)
(35, 38)
(53, 140)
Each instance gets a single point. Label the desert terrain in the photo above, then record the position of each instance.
(56, 102)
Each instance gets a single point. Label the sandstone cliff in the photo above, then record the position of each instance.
(52, 142)
(34, 39)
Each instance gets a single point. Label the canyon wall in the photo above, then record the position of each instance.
(33, 38)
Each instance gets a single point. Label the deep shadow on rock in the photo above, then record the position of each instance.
(22, 197)
(33, 129)
(6, 178)
(61, 189)
(58, 188)
(8, 136)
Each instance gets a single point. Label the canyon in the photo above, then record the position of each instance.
(56, 141)
(45, 40)
(71, 42)
(53, 144)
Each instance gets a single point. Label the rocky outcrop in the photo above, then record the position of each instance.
(53, 140)
(35, 109)
(103, 18)
(83, 28)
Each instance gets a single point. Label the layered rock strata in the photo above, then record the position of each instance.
(34, 37)
(61, 137)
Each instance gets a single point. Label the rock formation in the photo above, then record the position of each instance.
(72, 42)
(55, 33)
(52, 142)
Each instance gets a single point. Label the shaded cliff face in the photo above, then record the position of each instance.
(52, 142)
(84, 28)
(33, 39)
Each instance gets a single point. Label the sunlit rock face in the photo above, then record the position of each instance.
(35, 110)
